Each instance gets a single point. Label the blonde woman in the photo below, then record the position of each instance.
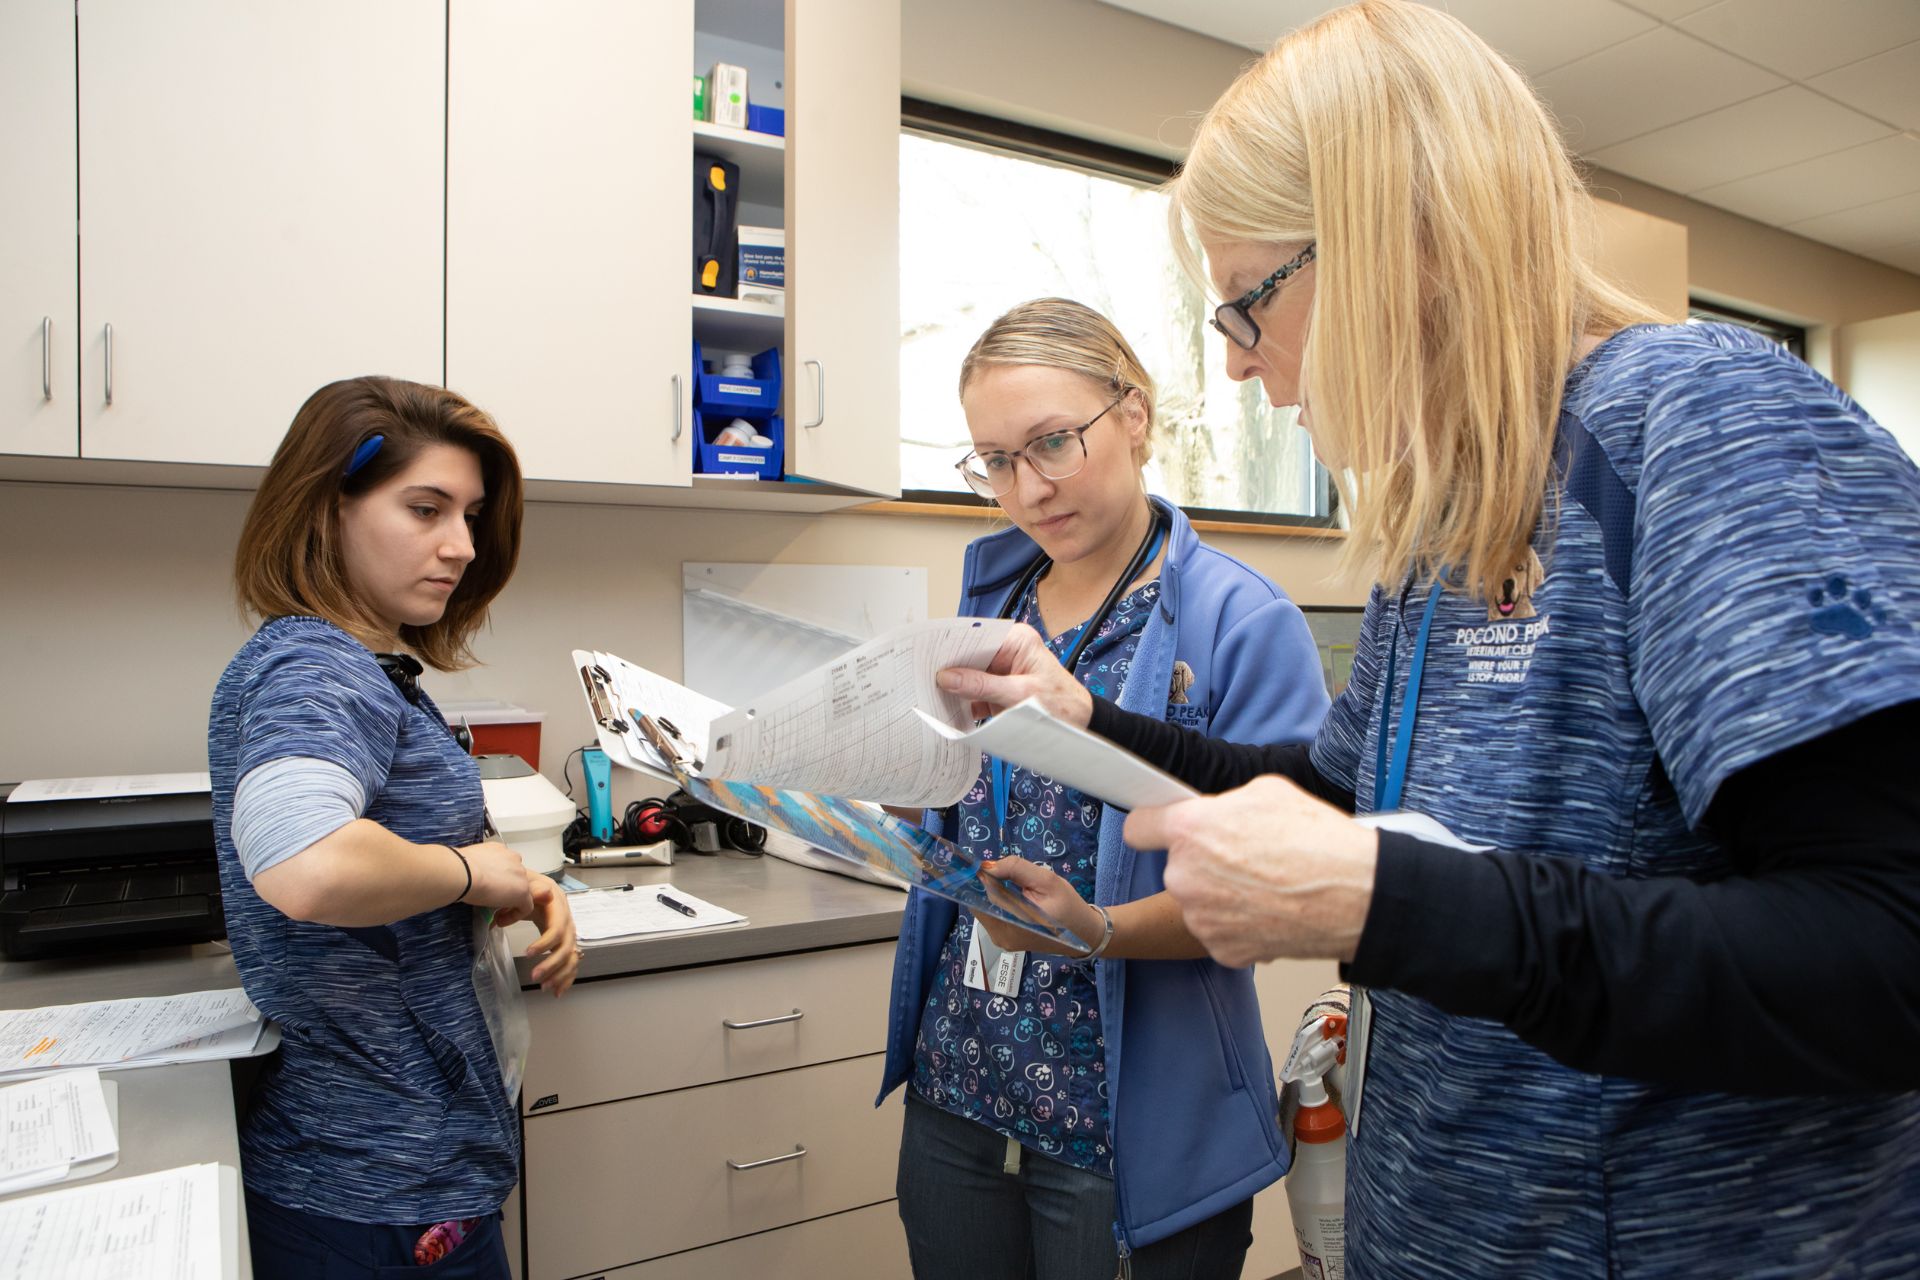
(1643, 632)
(1036, 1142)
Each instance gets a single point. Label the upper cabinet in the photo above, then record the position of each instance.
(259, 199)
(261, 193)
(843, 237)
(568, 233)
(39, 250)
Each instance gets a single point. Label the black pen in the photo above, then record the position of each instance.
(610, 888)
(676, 904)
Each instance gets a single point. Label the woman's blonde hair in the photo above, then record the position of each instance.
(290, 560)
(1059, 333)
(1453, 279)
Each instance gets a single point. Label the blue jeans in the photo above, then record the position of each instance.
(291, 1245)
(968, 1219)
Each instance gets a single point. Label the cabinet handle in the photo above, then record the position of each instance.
(731, 1025)
(794, 1154)
(109, 364)
(46, 357)
(676, 408)
(820, 405)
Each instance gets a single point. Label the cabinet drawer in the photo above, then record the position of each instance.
(627, 1181)
(866, 1242)
(625, 1037)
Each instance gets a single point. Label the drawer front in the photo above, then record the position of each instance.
(866, 1242)
(627, 1181)
(625, 1037)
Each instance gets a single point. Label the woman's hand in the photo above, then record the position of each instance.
(1050, 892)
(1024, 668)
(551, 912)
(500, 879)
(1264, 871)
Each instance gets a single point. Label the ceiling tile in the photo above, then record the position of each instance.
(1668, 10)
(1763, 133)
(1788, 37)
(1884, 224)
(1887, 85)
(1540, 37)
(1659, 78)
(1841, 180)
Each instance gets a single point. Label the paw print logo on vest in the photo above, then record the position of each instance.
(1839, 610)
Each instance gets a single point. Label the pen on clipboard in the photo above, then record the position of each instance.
(676, 904)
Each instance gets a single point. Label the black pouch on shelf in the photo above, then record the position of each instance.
(716, 226)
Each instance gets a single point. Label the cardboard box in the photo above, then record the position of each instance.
(763, 257)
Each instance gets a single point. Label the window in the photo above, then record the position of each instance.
(1792, 337)
(992, 215)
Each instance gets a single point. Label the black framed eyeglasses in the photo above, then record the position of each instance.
(1235, 319)
(1057, 455)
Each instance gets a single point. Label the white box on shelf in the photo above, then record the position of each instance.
(727, 95)
(763, 257)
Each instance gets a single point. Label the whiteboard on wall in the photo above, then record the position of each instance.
(748, 628)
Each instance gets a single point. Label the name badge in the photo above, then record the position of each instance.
(991, 969)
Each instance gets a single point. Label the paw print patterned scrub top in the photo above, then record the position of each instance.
(1032, 1067)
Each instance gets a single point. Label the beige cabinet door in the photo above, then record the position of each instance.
(262, 188)
(568, 230)
(843, 238)
(39, 223)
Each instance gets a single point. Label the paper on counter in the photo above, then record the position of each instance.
(158, 1226)
(604, 916)
(112, 1032)
(1028, 735)
(855, 726)
(49, 1125)
(142, 784)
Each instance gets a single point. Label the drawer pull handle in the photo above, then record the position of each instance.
(794, 1154)
(731, 1025)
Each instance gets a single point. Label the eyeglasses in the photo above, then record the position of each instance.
(1235, 319)
(1056, 455)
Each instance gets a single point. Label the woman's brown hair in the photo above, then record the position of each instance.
(289, 560)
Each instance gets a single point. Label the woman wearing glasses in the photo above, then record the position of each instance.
(1643, 634)
(350, 832)
(1047, 1134)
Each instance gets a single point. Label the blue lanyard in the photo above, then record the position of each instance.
(1001, 771)
(1388, 782)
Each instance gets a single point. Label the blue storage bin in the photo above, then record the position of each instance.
(741, 397)
(771, 120)
(711, 459)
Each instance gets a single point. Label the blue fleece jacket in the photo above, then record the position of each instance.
(1194, 1111)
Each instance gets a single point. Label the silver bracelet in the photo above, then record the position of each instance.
(1100, 947)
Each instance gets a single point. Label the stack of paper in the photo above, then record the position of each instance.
(602, 916)
(178, 1225)
(141, 1032)
(54, 1128)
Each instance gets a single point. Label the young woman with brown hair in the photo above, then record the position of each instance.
(350, 830)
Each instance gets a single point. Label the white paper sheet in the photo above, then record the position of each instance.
(1421, 827)
(605, 916)
(111, 1032)
(51, 1124)
(159, 1226)
(143, 784)
(1031, 738)
(855, 726)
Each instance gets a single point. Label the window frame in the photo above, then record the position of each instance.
(1791, 336)
(993, 133)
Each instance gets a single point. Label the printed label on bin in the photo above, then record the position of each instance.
(737, 389)
(751, 459)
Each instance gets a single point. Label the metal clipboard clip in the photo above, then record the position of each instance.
(599, 686)
(662, 734)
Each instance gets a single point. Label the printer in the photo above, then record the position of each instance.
(91, 872)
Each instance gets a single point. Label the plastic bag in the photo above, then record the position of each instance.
(501, 1001)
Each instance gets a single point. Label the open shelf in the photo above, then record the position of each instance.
(728, 324)
(762, 158)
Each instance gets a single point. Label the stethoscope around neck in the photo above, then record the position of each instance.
(1142, 557)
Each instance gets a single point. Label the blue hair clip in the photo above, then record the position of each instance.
(364, 454)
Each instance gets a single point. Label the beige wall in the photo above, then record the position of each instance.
(1878, 362)
(118, 617)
